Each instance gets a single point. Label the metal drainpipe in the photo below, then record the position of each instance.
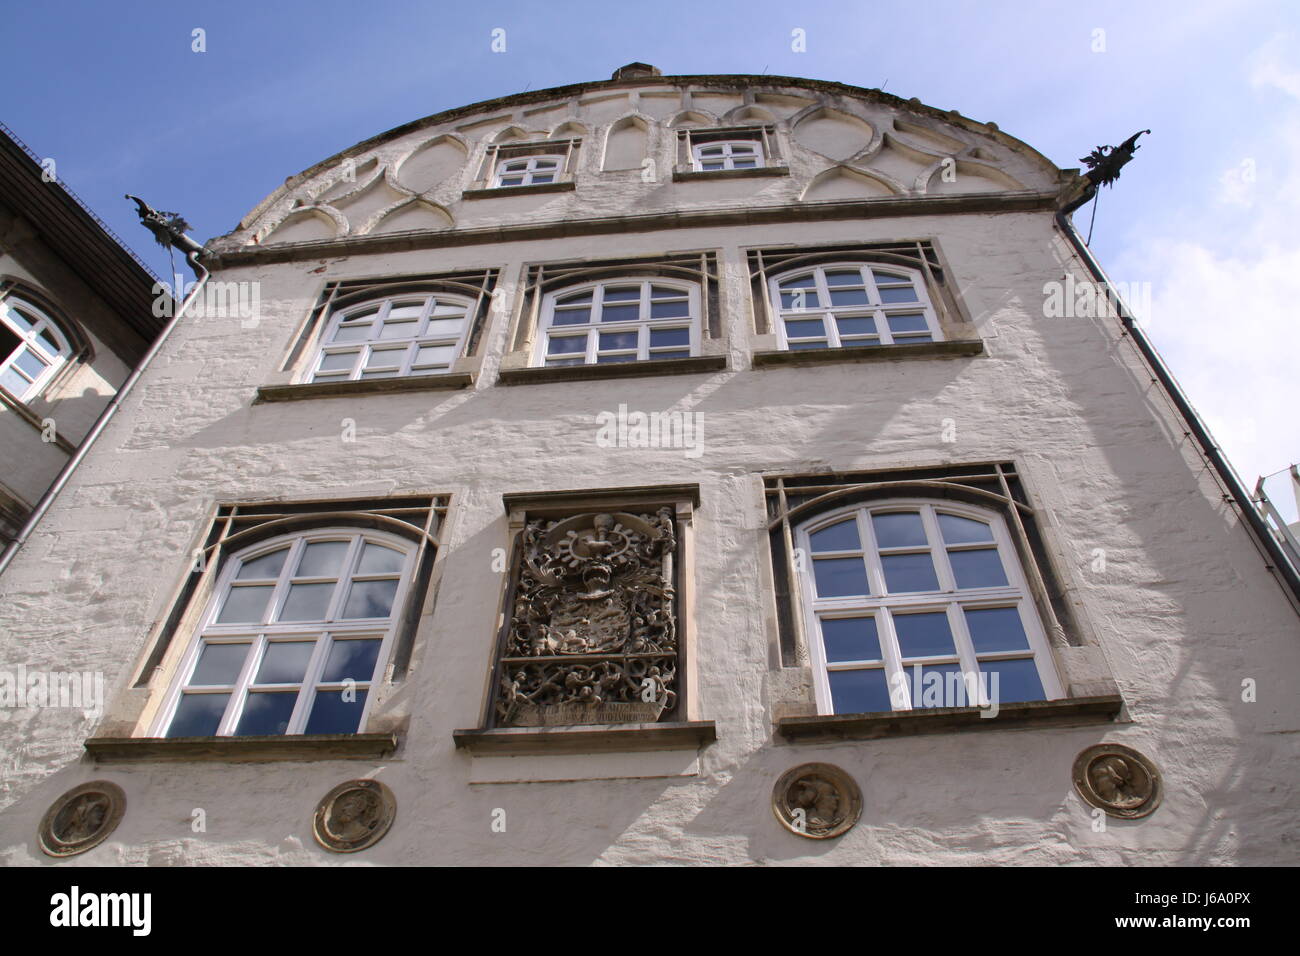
(102, 421)
(1276, 559)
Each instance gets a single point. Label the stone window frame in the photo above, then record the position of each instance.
(690, 138)
(233, 527)
(644, 325)
(875, 308)
(533, 171)
(676, 728)
(1000, 486)
(884, 606)
(487, 180)
(74, 348)
(324, 634)
(340, 296)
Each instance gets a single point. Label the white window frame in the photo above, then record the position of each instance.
(643, 324)
(728, 157)
(948, 600)
(875, 308)
(324, 633)
(532, 169)
(405, 364)
(30, 342)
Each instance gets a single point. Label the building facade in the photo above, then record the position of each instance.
(701, 469)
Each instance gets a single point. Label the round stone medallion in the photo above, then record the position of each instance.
(353, 816)
(82, 818)
(817, 800)
(1117, 780)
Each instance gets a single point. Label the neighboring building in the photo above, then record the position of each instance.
(563, 473)
(76, 316)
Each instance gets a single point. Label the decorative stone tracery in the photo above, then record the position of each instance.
(593, 633)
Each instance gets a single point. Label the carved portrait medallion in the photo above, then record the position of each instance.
(354, 815)
(82, 818)
(1118, 780)
(817, 800)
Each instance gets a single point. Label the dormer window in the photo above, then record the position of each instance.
(728, 149)
(728, 154)
(528, 171)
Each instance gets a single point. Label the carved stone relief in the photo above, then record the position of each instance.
(817, 800)
(1118, 780)
(82, 818)
(354, 815)
(593, 633)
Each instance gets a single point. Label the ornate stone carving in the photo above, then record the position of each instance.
(817, 800)
(1118, 780)
(82, 818)
(353, 816)
(593, 634)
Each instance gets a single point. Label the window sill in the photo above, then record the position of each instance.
(939, 720)
(243, 749)
(686, 173)
(409, 383)
(868, 353)
(576, 373)
(489, 192)
(586, 739)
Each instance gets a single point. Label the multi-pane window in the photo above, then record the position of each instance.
(849, 304)
(528, 170)
(294, 637)
(386, 338)
(914, 604)
(728, 154)
(32, 348)
(620, 320)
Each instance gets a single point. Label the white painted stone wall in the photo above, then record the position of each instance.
(1184, 612)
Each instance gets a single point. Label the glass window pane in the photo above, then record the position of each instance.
(266, 713)
(907, 322)
(886, 278)
(911, 339)
(13, 381)
(624, 357)
(799, 299)
(909, 572)
(940, 685)
(836, 577)
(370, 599)
(622, 293)
(848, 297)
(859, 692)
(571, 317)
(1012, 681)
(245, 605)
(661, 338)
(398, 330)
(307, 602)
(9, 340)
(23, 320)
(435, 355)
(670, 310)
(850, 639)
(899, 529)
(666, 292)
(284, 662)
(902, 294)
(321, 559)
(542, 178)
(219, 664)
(30, 363)
(385, 358)
(996, 629)
(804, 328)
(512, 180)
(842, 536)
(958, 530)
(405, 310)
(609, 341)
(266, 566)
(353, 333)
(794, 346)
(46, 337)
(377, 559)
(198, 715)
(566, 344)
(857, 325)
(743, 164)
(977, 569)
(574, 298)
(445, 328)
(332, 714)
(620, 313)
(924, 635)
(351, 660)
(853, 277)
(337, 360)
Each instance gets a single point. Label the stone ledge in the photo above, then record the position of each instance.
(500, 192)
(868, 353)
(687, 173)
(370, 386)
(939, 720)
(586, 738)
(578, 373)
(244, 749)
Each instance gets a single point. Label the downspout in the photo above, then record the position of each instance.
(1276, 559)
(192, 250)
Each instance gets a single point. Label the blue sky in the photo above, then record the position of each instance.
(1205, 214)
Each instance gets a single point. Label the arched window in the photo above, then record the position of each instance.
(385, 338)
(32, 348)
(296, 632)
(916, 603)
(727, 154)
(528, 170)
(620, 320)
(852, 303)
